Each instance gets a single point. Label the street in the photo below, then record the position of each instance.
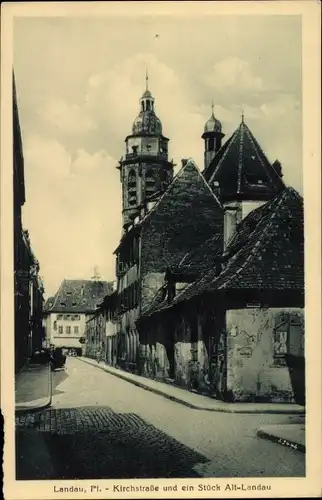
(100, 426)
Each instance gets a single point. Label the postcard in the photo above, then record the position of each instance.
(161, 250)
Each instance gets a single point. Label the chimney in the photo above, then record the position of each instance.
(278, 168)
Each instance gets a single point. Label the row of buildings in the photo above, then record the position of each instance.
(28, 285)
(67, 312)
(209, 270)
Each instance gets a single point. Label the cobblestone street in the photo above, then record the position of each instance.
(100, 426)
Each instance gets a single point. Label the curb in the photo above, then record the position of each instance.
(23, 408)
(191, 405)
(283, 442)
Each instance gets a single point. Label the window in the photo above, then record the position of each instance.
(59, 317)
(76, 330)
(68, 329)
(132, 187)
(281, 334)
(60, 329)
(211, 144)
(149, 183)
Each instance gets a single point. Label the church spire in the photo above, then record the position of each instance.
(146, 80)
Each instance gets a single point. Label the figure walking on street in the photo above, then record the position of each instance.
(98, 355)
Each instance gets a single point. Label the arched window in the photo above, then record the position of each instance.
(132, 187)
(148, 105)
(211, 144)
(149, 183)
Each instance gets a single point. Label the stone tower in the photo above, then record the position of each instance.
(145, 169)
(213, 138)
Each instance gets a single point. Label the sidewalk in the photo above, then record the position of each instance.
(291, 435)
(33, 387)
(193, 400)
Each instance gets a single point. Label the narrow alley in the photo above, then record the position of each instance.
(100, 426)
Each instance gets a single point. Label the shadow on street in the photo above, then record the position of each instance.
(97, 443)
(58, 377)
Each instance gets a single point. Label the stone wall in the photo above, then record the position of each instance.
(170, 352)
(151, 282)
(257, 340)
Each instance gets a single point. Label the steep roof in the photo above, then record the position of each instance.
(266, 252)
(78, 296)
(188, 208)
(186, 216)
(241, 171)
(158, 303)
(197, 262)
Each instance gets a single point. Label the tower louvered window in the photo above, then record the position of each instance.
(132, 188)
(149, 183)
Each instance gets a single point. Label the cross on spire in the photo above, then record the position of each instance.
(242, 115)
(212, 107)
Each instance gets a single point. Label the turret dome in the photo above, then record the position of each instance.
(213, 125)
(147, 122)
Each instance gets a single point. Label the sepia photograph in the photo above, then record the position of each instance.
(159, 282)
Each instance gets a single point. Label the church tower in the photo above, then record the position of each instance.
(145, 169)
(213, 138)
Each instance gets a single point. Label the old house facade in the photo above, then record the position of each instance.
(66, 313)
(242, 327)
(102, 329)
(28, 286)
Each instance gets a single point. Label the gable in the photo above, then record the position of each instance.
(185, 217)
(241, 170)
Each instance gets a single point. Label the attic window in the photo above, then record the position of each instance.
(63, 303)
(259, 181)
(216, 184)
(73, 303)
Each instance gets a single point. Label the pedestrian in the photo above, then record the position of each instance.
(98, 356)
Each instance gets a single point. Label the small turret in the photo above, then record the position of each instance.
(213, 138)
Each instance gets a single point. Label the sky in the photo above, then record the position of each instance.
(79, 81)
